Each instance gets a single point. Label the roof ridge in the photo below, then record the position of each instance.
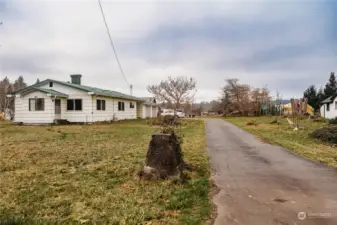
(99, 91)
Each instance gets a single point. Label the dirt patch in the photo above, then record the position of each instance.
(261, 140)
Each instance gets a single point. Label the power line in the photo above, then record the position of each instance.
(112, 44)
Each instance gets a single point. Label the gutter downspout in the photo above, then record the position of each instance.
(92, 106)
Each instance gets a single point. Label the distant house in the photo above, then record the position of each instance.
(329, 107)
(52, 100)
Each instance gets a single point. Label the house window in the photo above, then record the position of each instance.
(328, 107)
(50, 84)
(120, 106)
(74, 104)
(36, 104)
(132, 105)
(100, 104)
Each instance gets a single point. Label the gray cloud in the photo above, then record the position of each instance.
(286, 45)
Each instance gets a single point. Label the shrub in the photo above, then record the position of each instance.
(165, 121)
(319, 120)
(251, 123)
(326, 134)
(333, 121)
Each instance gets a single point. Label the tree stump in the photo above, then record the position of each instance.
(164, 157)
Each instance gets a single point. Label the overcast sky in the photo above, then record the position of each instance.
(284, 44)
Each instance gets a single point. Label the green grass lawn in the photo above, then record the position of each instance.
(88, 174)
(299, 141)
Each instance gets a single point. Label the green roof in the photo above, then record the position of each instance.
(50, 91)
(97, 91)
(328, 100)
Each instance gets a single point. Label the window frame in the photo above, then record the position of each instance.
(328, 107)
(132, 105)
(101, 103)
(121, 106)
(35, 104)
(74, 104)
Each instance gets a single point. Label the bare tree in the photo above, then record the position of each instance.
(174, 90)
(243, 99)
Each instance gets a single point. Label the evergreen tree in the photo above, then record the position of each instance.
(19, 84)
(312, 96)
(320, 95)
(331, 86)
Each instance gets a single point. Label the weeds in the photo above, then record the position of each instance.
(251, 123)
(326, 134)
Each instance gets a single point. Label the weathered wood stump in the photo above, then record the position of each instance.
(164, 157)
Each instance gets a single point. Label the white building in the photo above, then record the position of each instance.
(149, 108)
(329, 107)
(51, 100)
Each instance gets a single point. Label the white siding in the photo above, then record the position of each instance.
(332, 113)
(147, 111)
(128, 113)
(88, 114)
(140, 113)
(83, 116)
(154, 111)
(144, 112)
(23, 115)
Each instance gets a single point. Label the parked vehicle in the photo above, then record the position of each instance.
(180, 113)
(171, 112)
(167, 112)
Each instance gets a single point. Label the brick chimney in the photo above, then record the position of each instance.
(76, 78)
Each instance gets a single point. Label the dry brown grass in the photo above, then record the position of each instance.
(87, 174)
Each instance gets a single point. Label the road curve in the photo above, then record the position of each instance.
(262, 184)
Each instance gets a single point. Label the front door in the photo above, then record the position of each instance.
(57, 106)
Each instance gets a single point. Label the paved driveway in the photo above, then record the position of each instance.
(262, 184)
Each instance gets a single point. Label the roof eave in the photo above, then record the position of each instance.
(31, 86)
(126, 98)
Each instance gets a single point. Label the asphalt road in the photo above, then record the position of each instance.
(262, 184)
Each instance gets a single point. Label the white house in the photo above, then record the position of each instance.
(51, 100)
(329, 107)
